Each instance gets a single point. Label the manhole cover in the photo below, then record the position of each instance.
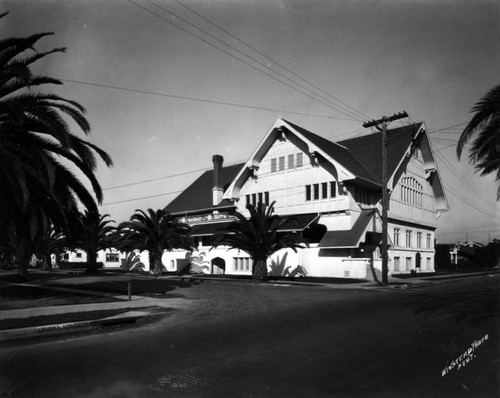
(175, 382)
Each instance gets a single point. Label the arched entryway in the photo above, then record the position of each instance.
(218, 266)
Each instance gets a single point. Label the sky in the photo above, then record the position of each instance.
(164, 93)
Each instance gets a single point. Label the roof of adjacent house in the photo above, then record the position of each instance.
(198, 196)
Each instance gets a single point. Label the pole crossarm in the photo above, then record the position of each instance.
(385, 119)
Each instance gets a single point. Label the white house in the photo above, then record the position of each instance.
(333, 190)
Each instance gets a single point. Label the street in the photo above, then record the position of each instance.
(243, 340)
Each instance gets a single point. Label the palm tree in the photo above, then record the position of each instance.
(156, 232)
(55, 242)
(92, 232)
(38, 190)
(259, 236)
(484, 153)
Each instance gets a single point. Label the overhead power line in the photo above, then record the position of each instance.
(343, 104)
(234, 56)
(260, 108)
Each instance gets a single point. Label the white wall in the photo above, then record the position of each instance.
(287, 187)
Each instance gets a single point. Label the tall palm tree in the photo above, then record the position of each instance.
(155, 231)
(259, 236)
(92, 232)
(38, 190)
(484, 131)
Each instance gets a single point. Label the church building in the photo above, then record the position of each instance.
(333, 191)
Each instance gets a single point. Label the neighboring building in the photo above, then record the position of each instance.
(334, 192)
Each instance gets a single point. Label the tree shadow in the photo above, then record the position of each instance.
(470, 307)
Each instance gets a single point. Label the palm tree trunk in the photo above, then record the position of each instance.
(259, 271)
(47, 262)
(91, 262)
(155, 265)
(23, 255)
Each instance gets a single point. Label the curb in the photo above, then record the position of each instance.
(59, 328)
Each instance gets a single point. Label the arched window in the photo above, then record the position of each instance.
(411, 191)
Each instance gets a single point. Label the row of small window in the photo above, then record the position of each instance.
(323, 190)
(292, 162)
(242, 264)
(409, 264)
(256, 198)
(409, 236)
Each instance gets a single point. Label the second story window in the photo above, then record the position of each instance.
(333, 189)
(291, 163)
(316, 191)
(419, 239)
(308, 192)
(408, 238)
(324, 190)
(396, 236)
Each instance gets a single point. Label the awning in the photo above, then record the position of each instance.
(298, 222)
(208, 228)
(351, 238)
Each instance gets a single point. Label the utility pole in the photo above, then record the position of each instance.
(381, 125)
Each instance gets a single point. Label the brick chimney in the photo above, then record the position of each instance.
(217, 189)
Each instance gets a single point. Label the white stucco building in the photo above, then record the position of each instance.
(333, 190)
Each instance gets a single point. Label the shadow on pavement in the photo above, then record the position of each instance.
(430, 303)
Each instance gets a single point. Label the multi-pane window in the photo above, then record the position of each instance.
(408, 238)
(419, 239)
(242, 264)
(396, 236)
(428, 241)
(308, 192)
(273, 165)
(396, 264)
(333, 189)
(291, 161)
(321, 190)
(112, 258)
(324, 190)
(299, 159)
(255, 198)
(281, 163)
(316, 191)
(408, 263)
(411, 191)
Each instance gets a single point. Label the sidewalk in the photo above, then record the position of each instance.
(128, 309)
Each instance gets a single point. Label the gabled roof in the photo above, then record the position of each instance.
(368, 149)
(339, 152)
(198, 196)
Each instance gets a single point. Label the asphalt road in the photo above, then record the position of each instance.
(240, 340)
